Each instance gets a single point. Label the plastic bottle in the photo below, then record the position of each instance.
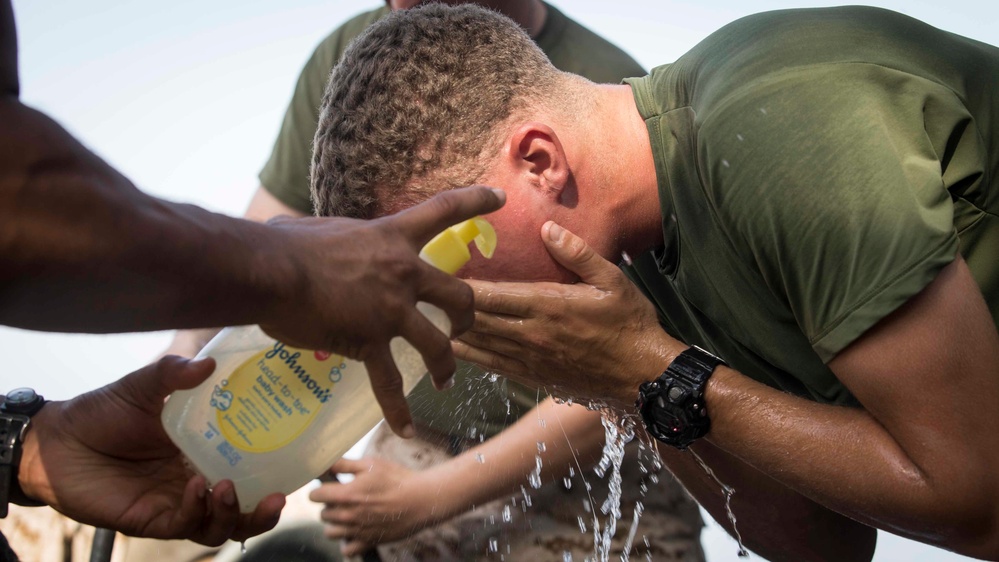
(272, 417)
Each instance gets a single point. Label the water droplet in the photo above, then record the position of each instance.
(542, 447)
(493, 377)
(740, 137)
(493, 545)
(506, 514)
(480, 458)
(242, 547)
(572, 472)
(763, 110)
(566, 556)
(534, 478)
(542, 422)
(727, 491)
(582, 524)
(725, 163)
(567, 482)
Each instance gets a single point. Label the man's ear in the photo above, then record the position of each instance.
(536, 152)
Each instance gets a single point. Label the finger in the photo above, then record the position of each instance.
(192, 510)
(263, 518)
(493, 341)
(491, 361)
(151, 384)
(512, 299)
(434, 347)
(356, 547)
(450, 294)
(351, 466)
(223, 515)
(426, 220)
(386, 383)
(576, 255)
(331, 494)
(331, 531)
(340, 515)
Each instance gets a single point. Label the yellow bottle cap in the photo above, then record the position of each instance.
(448, 251)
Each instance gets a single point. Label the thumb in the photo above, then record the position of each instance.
(155, 382)
(576, 255)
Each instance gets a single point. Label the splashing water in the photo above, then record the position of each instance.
(534, 478)
(542, 447)
(480, 458)
(618, 432)
(493, 545)
(639, 508)
(506, 514)
(727, 491)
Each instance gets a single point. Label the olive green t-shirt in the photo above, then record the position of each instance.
(817, 169)
(475, 406)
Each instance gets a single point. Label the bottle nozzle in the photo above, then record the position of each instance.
(448, 251)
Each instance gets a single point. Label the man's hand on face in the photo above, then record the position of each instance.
(598, 339)
(103, 459)
(362, 280)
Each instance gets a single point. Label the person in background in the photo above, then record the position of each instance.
(806, 196)
(83, 250)
(401, 512)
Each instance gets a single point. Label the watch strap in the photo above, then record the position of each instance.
(12, 430)
(672, 406)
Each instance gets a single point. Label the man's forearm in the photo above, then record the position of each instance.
(73, 227)
(773, 520)
(842, 458)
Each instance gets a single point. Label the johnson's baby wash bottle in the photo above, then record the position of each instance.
(272, 417)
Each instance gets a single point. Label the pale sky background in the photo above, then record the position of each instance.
(185, 97)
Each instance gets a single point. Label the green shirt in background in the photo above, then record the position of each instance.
(474, 407)
(817, 169)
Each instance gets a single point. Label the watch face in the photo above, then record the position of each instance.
(20, 396)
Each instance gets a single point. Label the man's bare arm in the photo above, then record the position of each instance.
(263, 207)
(919, 459)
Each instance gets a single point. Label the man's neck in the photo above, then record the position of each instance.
(630, 192)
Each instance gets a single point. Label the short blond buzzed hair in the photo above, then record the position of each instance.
(412, 106)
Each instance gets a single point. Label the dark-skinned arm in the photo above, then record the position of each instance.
(81, 249)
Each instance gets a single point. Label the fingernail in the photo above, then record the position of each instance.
(500, 194)
(449, 383)
(409, 431)
(555, 233)
(229, 497)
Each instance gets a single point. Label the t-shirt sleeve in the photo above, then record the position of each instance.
(286, 173)
(834, 183)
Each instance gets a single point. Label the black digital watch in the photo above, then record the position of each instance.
(16, 409)
(672, 406)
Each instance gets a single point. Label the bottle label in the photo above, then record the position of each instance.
(270, 399)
